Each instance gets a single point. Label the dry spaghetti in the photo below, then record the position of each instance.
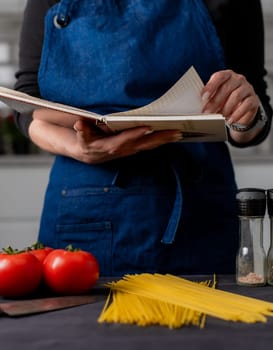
(167, 300)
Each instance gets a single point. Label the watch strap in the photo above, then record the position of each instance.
(258, 122)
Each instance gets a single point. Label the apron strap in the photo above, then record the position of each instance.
(170, 232)
(62, 17)
(169, 235)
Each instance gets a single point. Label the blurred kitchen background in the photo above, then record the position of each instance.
(24, 169)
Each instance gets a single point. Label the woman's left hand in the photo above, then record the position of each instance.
(231, 95)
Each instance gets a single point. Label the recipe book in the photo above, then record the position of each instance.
(179, 108)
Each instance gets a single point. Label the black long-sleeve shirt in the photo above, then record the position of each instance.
(239, 25)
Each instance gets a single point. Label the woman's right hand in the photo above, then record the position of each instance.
(67, 135)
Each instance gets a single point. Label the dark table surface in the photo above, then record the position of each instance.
(77, 328)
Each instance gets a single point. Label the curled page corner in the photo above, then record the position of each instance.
(183, 98)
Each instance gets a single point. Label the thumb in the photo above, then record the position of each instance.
(85, 132)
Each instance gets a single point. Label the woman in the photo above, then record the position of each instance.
(141, 200)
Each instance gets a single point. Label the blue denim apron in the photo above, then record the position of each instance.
(171, 209)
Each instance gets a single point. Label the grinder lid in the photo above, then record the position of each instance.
(251, 201)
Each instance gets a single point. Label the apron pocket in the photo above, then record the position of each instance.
(95, 237)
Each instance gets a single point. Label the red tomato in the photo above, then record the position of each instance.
(41, 253)
(20, 274)
(70, 272)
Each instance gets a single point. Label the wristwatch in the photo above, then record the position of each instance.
(258, 122)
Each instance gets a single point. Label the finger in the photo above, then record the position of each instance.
(245, 112)
(137, 139)
(162, 137)
(86, 133)
(111, 144)
(230, 95)
(215, 82)
(226, 97)
(239, 102)
(158, 137)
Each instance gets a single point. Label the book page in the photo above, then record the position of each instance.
(24, 103)
(183, 98)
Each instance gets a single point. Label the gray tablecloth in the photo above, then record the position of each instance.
(77, 329)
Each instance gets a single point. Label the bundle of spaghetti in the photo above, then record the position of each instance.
(167, 300)
(129, 307)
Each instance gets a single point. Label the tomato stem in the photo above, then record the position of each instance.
(70, 248)
(37, 245)
(9, 250)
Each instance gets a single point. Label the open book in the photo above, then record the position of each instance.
(179, 108)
